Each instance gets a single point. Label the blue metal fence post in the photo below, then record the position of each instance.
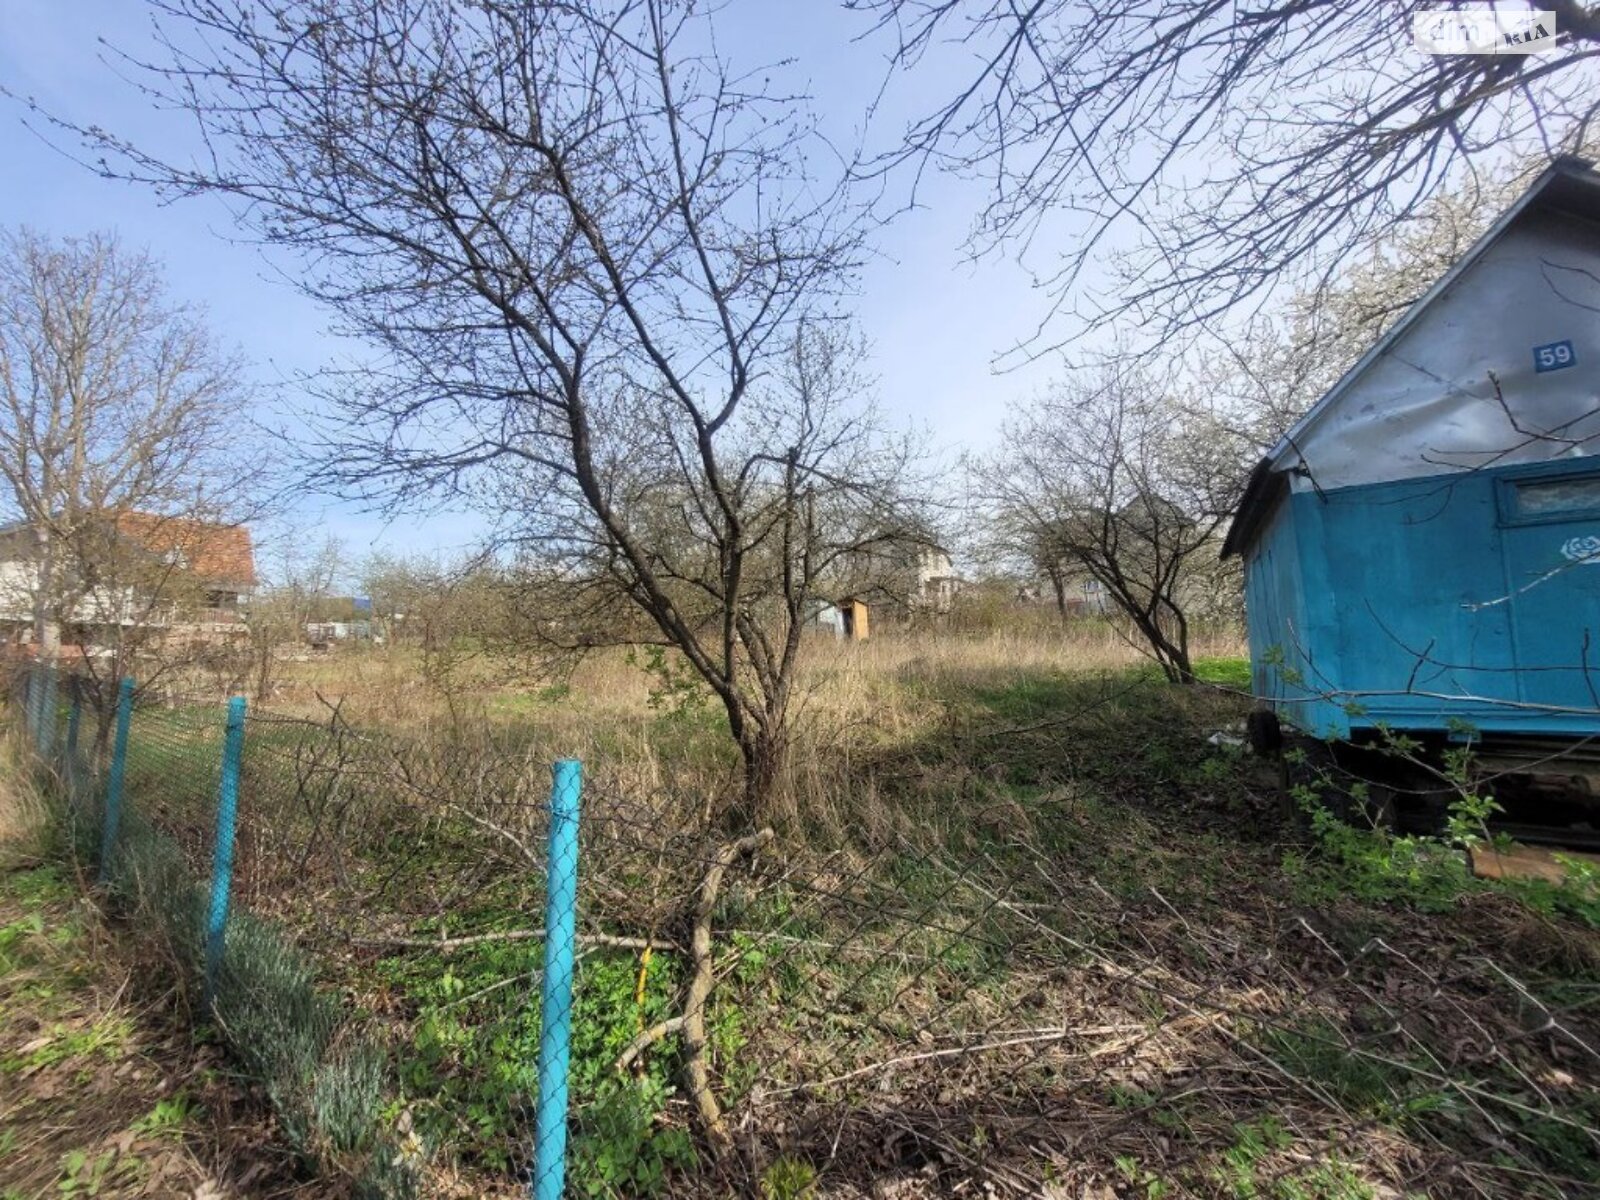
(222, 853)
(119, 767)
(555, 1030)
(45, 731)
(30, 701)
(74, 720)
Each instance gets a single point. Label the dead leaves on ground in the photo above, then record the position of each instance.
(102, 1092)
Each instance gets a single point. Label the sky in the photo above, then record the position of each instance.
(934, 319)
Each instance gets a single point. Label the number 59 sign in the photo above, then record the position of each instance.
(1553, 356)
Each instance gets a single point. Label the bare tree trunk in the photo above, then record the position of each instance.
(765, 755)
(1172, 653)
(46, 626)
(1058, 584)
(1177, 641)
(263, 666)
(1175, 658)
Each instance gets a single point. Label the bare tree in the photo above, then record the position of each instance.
(479, 611)
(427, 602)
(597, 265)
(1111, 477)
(300, 575)
(1263, 378)
(817, 504)
(1230, 142)
(116, 408)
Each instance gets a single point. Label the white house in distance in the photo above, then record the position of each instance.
(937, 582)
(187, 577)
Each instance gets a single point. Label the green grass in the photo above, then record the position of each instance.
(104, 1038)
(470, 1072)
(1131, 734)
(1315, 1050)
(1231, 673)
(169, 1117)
(281, 1030)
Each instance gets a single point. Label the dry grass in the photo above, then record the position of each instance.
(853, 700)
(22, 810)
(399, 686)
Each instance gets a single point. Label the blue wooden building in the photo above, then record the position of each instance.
(1422, 549)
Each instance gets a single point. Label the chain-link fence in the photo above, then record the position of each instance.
(1040, 999)
(149, 789)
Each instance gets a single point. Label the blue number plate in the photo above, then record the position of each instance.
(1555, 356)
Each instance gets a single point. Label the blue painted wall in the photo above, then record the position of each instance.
(1443, 603)
(1274, 604)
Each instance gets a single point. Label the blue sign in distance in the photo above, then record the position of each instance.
(1553, 356)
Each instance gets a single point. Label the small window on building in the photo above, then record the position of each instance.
(1552, 497)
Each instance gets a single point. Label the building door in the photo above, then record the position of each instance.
(1550, 526)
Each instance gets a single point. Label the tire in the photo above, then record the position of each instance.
(1350, 794)
(1264, 733)
(1306, 762)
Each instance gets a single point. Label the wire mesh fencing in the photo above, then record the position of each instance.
(1040, 1001)
(1001, 1020)
(146, 785)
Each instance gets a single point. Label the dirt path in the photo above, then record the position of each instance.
(103, 1092)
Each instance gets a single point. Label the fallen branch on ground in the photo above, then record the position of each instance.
(648, 1038)
(518, 935)
(1052, 1035)
(694, 1008)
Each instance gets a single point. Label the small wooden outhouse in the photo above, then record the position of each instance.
(856, 624)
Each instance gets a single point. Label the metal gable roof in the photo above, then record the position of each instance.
(1568, 184)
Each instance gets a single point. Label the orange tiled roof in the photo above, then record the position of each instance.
(214, 553)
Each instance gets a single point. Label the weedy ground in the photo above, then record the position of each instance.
(1027, 929)
(104, 1090)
